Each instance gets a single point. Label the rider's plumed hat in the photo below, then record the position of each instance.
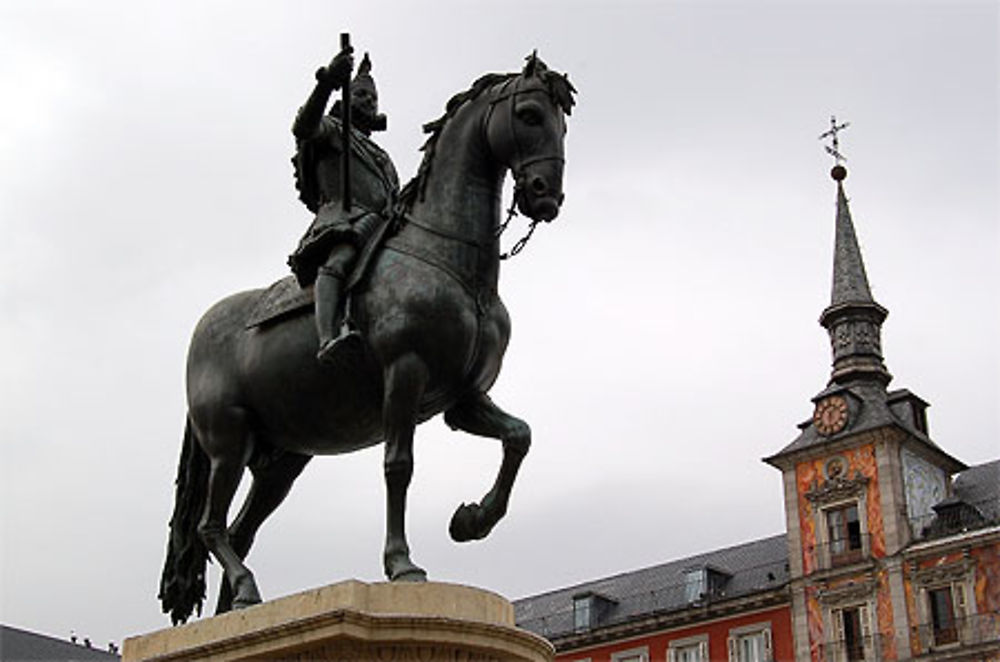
(364, 75)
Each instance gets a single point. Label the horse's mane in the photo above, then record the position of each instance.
(559, 87)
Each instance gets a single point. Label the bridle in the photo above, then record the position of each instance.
(519, 164)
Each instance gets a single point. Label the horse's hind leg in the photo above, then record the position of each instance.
(479, 416)
(227, 442)
(272, 481)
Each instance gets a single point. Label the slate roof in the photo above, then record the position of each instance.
(18, 645)
(850, 281)
(753, 567)
(980, 486)
(980, 483)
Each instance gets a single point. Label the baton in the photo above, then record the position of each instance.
(345, 121)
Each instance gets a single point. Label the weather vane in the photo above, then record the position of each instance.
(834, 148)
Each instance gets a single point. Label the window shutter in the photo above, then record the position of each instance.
(838, 624)
(768, 655)
(958, 592)
(866, 629)
(731, 646)
(703, 651)
(671, 654)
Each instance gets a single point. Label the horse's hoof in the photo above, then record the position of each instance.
(461, 526)
(244, 601)
(399, 568)
(247, 595)
(243, 604)
(405, 571)
(414, 574)
(467, 523)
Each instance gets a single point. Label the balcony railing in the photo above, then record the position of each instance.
(968, 631)
(839, 553)
(860, 649)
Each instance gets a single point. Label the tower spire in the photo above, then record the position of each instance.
(853, 319)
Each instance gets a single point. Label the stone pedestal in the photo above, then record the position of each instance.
(354, 621)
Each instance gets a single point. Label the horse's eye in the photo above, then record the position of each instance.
(529, 115)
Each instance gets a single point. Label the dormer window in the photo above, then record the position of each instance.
(582, 612)
(695, 584)
(704, 582)
(589, 610)
(909, 408)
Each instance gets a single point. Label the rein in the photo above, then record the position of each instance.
(523, 241)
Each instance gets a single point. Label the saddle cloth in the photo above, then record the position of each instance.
(281, 299)
(286, 297)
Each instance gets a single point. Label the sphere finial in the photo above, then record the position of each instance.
(839, 172)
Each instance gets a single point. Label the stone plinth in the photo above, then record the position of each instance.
(354, 621)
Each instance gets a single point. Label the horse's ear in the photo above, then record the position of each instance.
(531, 67)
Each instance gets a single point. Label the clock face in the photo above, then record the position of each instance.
(830, 415)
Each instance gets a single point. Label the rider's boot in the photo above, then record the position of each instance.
(331, 327)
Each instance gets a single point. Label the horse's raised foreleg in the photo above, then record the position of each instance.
(228, 445)
(272, 481)
(479, 416)
(405, 380)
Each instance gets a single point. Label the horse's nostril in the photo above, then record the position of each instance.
(538, 186)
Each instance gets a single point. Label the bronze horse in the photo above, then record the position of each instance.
(436, 332)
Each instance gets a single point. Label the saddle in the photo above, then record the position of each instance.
(286, 297)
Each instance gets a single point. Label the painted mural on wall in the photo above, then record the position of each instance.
(883, 610)
(911, 613)
(925, 485)
(987, 583)
(813, 474)
(814, 621)
(852, 470)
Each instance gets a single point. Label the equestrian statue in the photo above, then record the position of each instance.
(392, 317)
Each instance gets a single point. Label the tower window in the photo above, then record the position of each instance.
(844, 533)
(854, 646)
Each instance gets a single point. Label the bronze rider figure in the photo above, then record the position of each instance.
(329, 250)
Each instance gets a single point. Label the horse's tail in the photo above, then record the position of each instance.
(182, 586)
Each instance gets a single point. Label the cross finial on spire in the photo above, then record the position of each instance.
(833, 149)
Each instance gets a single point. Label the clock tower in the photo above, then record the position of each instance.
(859, 477)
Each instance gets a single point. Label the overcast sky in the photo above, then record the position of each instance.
(665, 335)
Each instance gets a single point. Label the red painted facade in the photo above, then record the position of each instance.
(656, 645)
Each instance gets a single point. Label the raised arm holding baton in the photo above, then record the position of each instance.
(345, 110)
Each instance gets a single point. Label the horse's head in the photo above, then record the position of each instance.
(525, 129)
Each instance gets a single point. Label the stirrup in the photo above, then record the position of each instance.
(330, 351)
